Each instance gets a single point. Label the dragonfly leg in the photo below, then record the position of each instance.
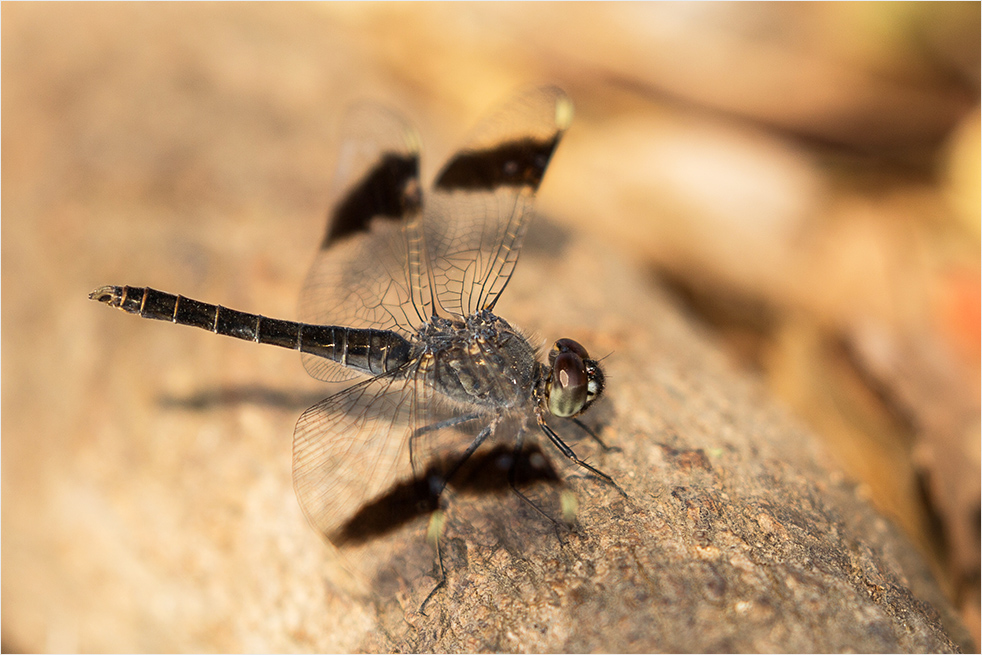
(595, 437)
(442, 571)
(437, 490)
(478, 440)
(512, 482)
(433, 427)
(568, 452)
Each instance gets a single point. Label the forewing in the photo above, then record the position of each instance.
(368, 270)
(481, 204)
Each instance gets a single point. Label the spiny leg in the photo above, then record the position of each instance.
(435, 538)
(419, 432)
(475, 444)
(568, 452)
(595, 437)
(478, 440)
(512, 473)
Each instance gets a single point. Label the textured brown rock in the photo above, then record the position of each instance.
(736, 537)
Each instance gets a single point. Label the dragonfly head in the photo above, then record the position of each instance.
(574, 380)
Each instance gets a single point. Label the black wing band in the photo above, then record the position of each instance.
(515, 163)
(390, 190)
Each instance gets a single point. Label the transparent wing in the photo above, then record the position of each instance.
(355, 460)
(368, 271)
(351, 448)
(481, 204)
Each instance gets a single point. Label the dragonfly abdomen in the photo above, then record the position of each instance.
(366, 350)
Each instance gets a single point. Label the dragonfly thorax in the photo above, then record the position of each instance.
(480, 361)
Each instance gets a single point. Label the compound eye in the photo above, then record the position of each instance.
(566, 346)
(567, 384)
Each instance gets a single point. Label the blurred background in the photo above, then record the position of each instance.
(803, 178)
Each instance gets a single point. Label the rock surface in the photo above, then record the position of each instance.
(147, 498)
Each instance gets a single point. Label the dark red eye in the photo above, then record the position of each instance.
(566, 346)
(567, 385)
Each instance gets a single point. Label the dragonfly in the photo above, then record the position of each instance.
(399, 306)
